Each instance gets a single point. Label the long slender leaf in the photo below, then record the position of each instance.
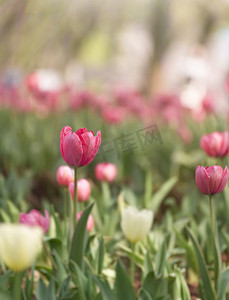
(123, 285)
(105, 290)
(80, 280)
(161, 194)
(80, 238)
(207, 285)
(160, 260)
(223, 284)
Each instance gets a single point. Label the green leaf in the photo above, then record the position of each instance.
(80, 280)
(29, 283)
(5, 217)
(161, 194)
(50, 292)
(4, 278)
(13, 211)
(101, 252)
(223, 284)
(41, 290)
(207, 286)
(190, 254)
(80, 238)
(44, 292)
(123, 285)
(4, 295)
(104, 287)
(144, 295)
(160, 260)
(180, 283)
(61, 271)
(148, 189)
(156, 287)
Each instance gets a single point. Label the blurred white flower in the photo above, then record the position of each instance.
(48, 80)
(136, 224)
(20, 245)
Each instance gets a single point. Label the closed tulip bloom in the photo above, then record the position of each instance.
(20, 245)
(211, 180)
(64, 175)
(35, 218)
(136, 224)
(106, 171)
(215, 144)
(83, 189)
(90, 221)
(79, 148)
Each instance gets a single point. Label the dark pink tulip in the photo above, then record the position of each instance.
(79, 148)
(215, 144)
(106, 171)
(90, 221)
(35, 218)
(64, 175)
(83, 189)
(211, 180)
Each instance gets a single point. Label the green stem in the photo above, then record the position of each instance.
(132, 263)
(212, 215)
(75, 200)
(66, 210)
(106, 194)
(17, 285)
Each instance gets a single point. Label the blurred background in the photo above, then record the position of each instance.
(116, 66)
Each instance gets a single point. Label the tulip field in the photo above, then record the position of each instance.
(96, 209)
(114, 150)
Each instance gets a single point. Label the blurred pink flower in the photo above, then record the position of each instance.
(83, 189)
(215, 144)
(64, 175)
(106, 171)
(79, 148)
(35, 218)
(90, 221)
(211, 180)
(113, 114)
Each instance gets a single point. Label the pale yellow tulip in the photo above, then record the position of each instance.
(136, 224)
(19, 245)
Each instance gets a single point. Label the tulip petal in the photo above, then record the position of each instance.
(223, 181)
(202, 180)
(72, 149)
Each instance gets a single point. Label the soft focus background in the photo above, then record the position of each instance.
(152, 75)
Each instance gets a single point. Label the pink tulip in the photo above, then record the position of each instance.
(215, 144)
(79, 148)
(83, 189)
(106, 171)
(35, 218)
(90, 221)
(211, 180)
(64, 175)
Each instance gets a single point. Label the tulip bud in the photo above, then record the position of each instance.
(106, 171)
(136, 224)
(215, 144)
(83, 190)
(64, 175)
(79, 148)
(20, 245)
(211, 180)
(35, 218)
(90, 221)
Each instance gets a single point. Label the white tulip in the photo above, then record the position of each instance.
(19, 245)
(136, 224)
